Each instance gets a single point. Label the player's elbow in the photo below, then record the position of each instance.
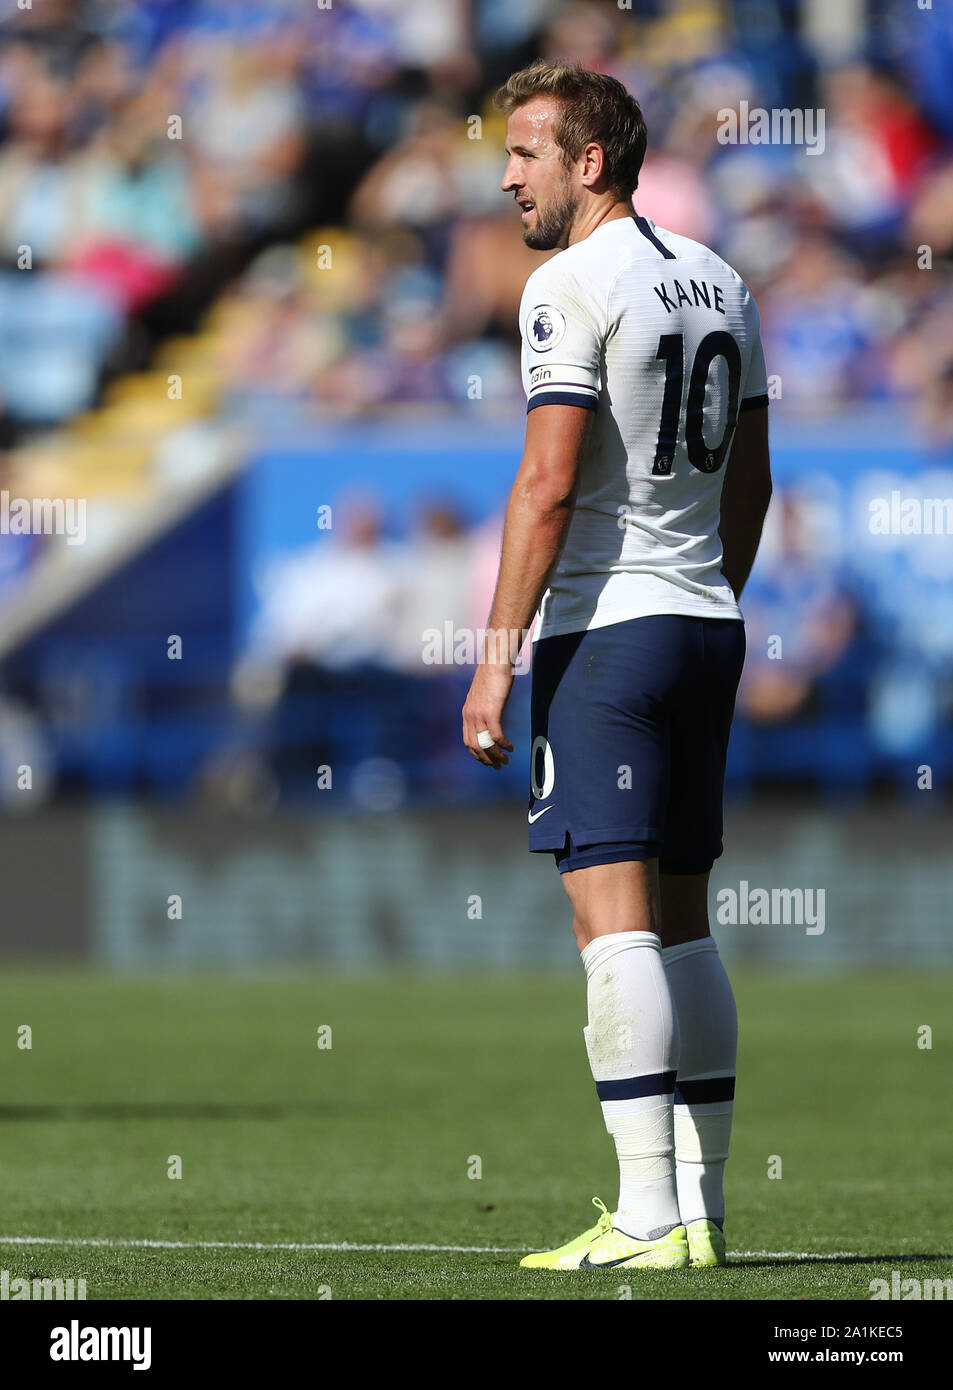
(546, 487)
(748, 485)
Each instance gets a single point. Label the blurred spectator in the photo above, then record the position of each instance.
(814, 326)
(44, 180)
(799, 620)
(435, 592)
(335, 604)
(56, 334)
(877, 144)
(323, 642)
(247, 133)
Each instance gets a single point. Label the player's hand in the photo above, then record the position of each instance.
(489, 692)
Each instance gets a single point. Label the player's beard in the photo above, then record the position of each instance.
(552, 223)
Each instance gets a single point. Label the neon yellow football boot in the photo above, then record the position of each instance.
(706, 1244)
(603, 1247)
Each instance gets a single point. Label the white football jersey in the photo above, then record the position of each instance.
(658, 336)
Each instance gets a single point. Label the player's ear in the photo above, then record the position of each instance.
(593, 163)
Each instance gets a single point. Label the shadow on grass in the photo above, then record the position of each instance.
(174, 1110)
(802, 1260)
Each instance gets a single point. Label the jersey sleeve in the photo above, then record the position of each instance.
(563, 341)
(756, 382)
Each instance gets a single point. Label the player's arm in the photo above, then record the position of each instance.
(538, 514)
(745, 495)
(537, 518)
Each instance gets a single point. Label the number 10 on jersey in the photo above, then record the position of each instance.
(707, 458)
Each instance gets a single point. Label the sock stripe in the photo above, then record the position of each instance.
(659, 1083)
(705, 1091)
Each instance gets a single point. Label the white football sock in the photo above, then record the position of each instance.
(632, 1041)
(704, 1093)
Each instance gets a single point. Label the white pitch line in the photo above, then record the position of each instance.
(256, 1245)
(345, 1246)
(797, 1254)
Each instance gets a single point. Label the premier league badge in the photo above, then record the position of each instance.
(547, 327)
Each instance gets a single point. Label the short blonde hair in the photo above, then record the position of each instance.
(593, 107)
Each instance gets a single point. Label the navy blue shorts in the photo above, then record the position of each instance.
(630, 730)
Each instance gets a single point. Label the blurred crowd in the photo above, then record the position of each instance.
(362, 649)
(319, 185)
(147, 151)
(848, 678)
(299, 201)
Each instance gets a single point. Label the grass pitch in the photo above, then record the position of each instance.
(370, 1141)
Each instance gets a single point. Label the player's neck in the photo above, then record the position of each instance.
(597, 215)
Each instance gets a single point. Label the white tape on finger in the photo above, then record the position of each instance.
(485, 739)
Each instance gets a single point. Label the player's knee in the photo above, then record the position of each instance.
(580, 933)
(608, 921)
(684, 897)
